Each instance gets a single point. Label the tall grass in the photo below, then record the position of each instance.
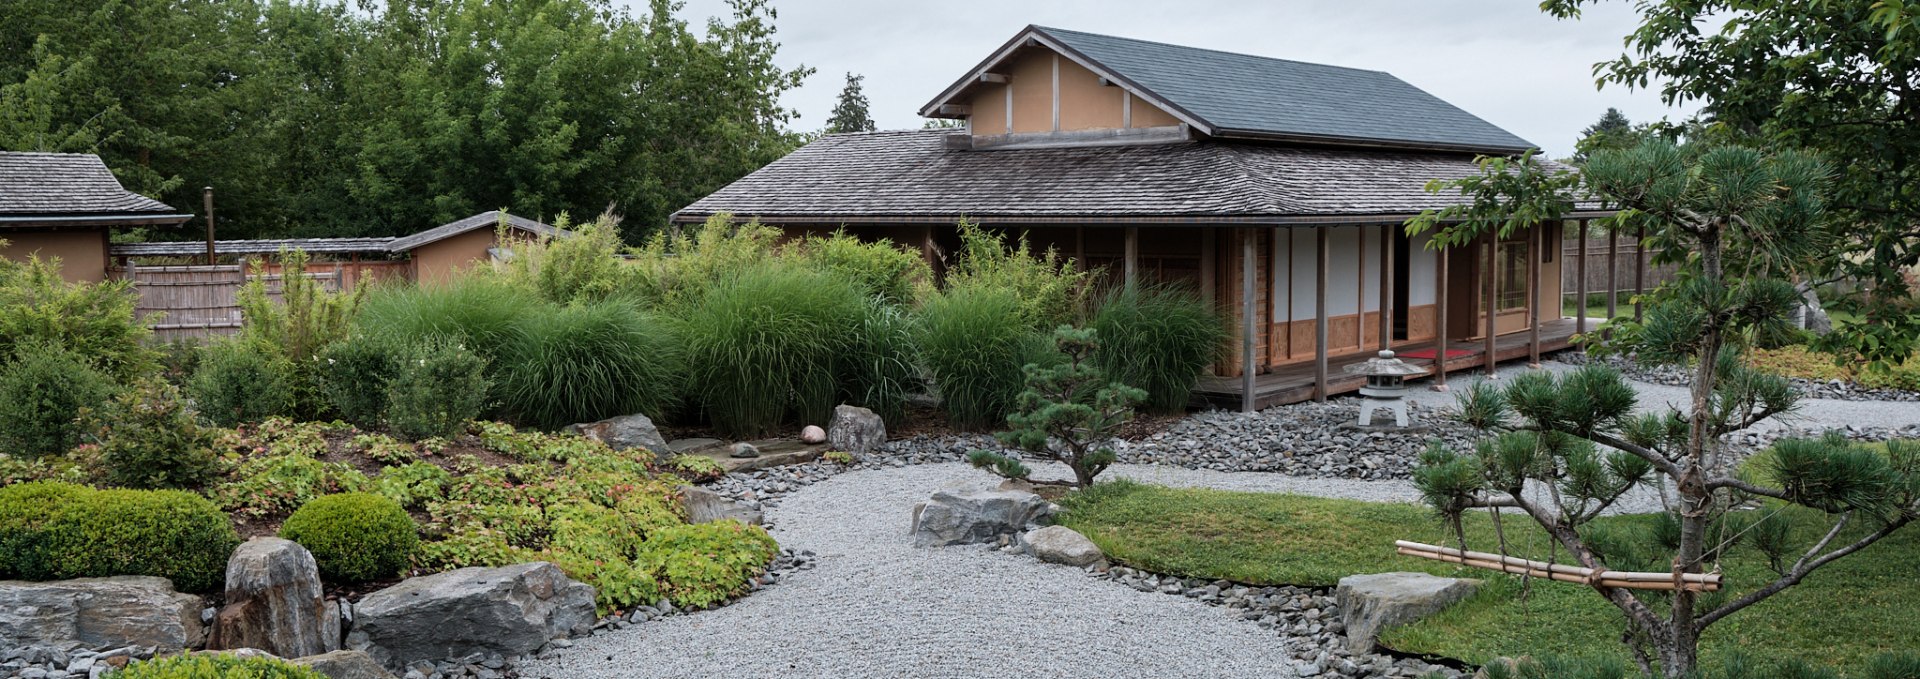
(877, 368)
(477, 310)
(974, 342)
(767, 343)
(1158, 338)
(586, 362)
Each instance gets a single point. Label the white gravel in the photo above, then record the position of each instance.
(877, 606)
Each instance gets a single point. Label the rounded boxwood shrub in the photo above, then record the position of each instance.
(216, 666)
(55, 531)
(41, 395)
(355, 537)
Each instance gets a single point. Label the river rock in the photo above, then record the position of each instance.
(962, 516)
(856, 430)
(508, 611)
(1063, 545)
(275, 602)
(623, 432)
(1369, 604)
(706, 506)
(99, 614)
(812, 433)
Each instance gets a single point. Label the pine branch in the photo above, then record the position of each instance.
(1808, 563)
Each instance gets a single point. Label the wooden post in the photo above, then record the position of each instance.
(1613, 268)
(1080, 248)
(1491, 279)
(1536, 247)
(1133, 256)
(1320, 316)
(1386, 287)
(1580, 271)
(1440, 324)
(1639, 274)
(1248, 311)
(1208, 257)
(206, 195)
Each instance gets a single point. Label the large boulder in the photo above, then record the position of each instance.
(623, 432)
(509, 611)
(960, 516)
(275, 602)
(1063, 545)
(345, 665)
(99, 614)
(1370, 604)
(856, 430)
(706, 506)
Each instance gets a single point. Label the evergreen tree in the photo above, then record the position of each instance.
(850, 113)
(1612, 131)
(1068, 413)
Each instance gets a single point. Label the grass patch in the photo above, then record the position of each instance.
(1841, 615)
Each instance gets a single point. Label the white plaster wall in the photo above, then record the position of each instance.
(1422, 272)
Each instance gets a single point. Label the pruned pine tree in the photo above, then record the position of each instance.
(1563, 449)
(850, 113)
(1068, 413)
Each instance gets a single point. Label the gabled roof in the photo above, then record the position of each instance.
(1240, 96)
(910, 177)
(52, 188)
(485, 220)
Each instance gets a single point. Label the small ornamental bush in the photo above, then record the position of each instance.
(436, 389)
(1049, 289)
(237, 382)
(581, 268)
(355, 537)
(1158, 339)
(42, 392)
(56, 531)
(299, 324)
(880, 269)
(93, 320)
(216, 666)
(353, 374)
(148, 438)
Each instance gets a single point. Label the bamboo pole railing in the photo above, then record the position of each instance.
(1697, 582)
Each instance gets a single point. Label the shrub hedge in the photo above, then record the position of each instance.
(42, 393)
(355, 537)
(55, 531)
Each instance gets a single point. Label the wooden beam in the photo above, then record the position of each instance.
(1249, 310)
(1131, 265)
(1580, 287)
(1613, 270)
(1440, 318)
(1386, 287)
(1536, 247)
(955, 109)
(1490, 278)
(995, 78)
(1320, 315)
(1639, 275)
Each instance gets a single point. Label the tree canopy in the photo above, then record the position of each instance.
(324, 119)
(850, 112)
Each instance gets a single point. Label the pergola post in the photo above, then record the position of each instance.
(1385, 326)
(1580, 271)
(1537, 247)
(1209, 256)
(1080, 248)
(1320, 315)
(1248, 309)
(1132, 265)
(1440, 318)
(1491, 279)
(1613, 271)
(1639, 274)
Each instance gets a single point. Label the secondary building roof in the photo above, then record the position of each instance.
(910, 177)
(1241, 96)
(485, 220)
(54, 189)
(382, 244)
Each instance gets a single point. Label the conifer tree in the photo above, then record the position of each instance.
(850, 113)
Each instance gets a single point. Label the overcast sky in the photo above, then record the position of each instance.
(1502, 60)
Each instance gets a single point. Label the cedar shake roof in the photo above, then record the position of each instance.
(911, 177)
(74, 187)
(487, 220)
(1228, 95)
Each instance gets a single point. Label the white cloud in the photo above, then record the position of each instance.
(1504, 61)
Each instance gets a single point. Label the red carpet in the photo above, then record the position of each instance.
(1429, 354)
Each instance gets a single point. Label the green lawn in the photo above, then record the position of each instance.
(1849, 611)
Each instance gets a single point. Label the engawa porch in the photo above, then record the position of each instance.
(1295, 383)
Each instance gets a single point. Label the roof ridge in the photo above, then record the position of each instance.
(1210, 49)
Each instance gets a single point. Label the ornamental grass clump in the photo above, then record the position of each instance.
(767, 345)
(589, 361)
(477, 310)
(974, 344)
(1160, 339)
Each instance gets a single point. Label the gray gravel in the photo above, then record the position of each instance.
(876, 606)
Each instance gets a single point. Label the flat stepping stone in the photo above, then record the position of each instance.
(773, 453)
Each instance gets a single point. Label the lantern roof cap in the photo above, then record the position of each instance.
(1385, 365)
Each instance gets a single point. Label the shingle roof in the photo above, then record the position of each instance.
(249, 247)
(486, 220)
(911, 176)
(65, 184)
(1245, 96)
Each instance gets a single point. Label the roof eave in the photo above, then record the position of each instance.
(1367, 142)
(94, 219)
(687, 217)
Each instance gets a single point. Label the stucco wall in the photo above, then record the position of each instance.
(443, 259)
(1084, 103)
(82, 253)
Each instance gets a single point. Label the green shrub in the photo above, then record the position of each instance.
(93, 320)
(353, 374)
(298, 326)
(238, 381)
(438, 387)
(54, 531)
(975, 345)
(880, 269)
(42, 392)
(583, 267)
(277, 484)
(766, 344)
(215, 666)
(700, 565)
(355, 537)
(675, 267)
(476, 310)
(149, 439)
(1050, 289)
(413, 485)
(1158, 339)
(587, 362)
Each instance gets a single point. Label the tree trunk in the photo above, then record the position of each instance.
(1680, 650)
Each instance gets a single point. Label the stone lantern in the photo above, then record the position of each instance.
(1386, 386)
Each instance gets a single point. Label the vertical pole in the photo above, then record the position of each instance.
(1133, 256)
(1580, 288)
(1248, 311)
(1639, 274)
(1491, 279)
(1440, 323)
(1209, 256)
(1080, 248)
(1536, 246)
(1386, 287)
(206, 196)
(1320, 316)
(1613, 269)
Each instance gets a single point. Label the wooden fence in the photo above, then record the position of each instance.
(1597, 267)
(181, 302)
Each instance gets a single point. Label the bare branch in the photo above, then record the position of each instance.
(1659, 461)
(1800, 571)
(1719, 482)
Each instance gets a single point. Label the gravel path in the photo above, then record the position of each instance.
(876, 606)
